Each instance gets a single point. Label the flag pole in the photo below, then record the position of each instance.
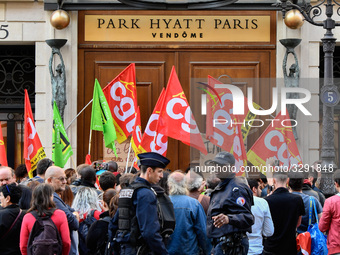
(79, 114)
(127, 160)
(132, 164)
(89, 152)
(72, 163)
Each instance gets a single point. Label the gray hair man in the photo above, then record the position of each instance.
(196, 184)
(6, 175)
(190, 232)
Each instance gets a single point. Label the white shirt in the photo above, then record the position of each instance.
(263, 226)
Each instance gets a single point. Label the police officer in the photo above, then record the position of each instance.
(138, 225)
(229, 214)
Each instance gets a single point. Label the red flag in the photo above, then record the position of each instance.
(176, 119)
(3, 158)
(88, 159)
(239, 151)
(33, 150)
(220, 102)
(221, 127)
(277, 141)
(152, 140)
(136, 134)
(121, 96)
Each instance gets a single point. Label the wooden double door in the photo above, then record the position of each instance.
(243, 68)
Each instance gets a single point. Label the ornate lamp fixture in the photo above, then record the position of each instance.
(329, 94)
(294, 19)
(60, 18)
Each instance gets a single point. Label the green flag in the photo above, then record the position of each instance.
(61, 147)
(101, 118)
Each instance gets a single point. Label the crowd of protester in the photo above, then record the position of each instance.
(82, 203)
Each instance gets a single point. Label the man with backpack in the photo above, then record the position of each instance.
(136, 223)
(56, 177)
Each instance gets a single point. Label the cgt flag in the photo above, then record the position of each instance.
(121, 96)
(101, 118)
(33, 150)
(3, 158)
(176, 119)
(152, 140)
(136, 134)
(61, 147)
(277, 141)
(219, 128)
(222, 109)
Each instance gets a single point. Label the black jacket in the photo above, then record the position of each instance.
(97, 236)
(233, 198)
(308, 190)
(10, 244)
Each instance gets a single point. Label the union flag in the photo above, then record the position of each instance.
(176, 119)
(33, 150)
(121, 96)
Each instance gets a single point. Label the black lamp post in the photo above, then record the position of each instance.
(329, 93)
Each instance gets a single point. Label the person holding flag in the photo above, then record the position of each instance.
(61, 147)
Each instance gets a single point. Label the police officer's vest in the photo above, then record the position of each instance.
(127, 221)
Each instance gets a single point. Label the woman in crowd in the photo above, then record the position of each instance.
(86, 203)
(98, 233)
(67, 195)
(71, 175)
(42, 205)
(10, 219)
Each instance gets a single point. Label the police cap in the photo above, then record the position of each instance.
(222, 158)
(153, 159)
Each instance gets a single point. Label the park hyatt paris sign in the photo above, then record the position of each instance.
(172, 28)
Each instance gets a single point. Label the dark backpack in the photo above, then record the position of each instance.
(165, 209)
(44, 238)
(102, 244)
(166, 215)
(83, 230)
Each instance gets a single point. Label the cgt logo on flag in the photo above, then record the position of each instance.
(121, 96)
(176, 119)
(152, 140)
(238, 104)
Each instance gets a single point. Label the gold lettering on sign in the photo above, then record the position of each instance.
(167, 28)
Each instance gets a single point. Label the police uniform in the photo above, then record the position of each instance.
(233, 198)
(144, 219)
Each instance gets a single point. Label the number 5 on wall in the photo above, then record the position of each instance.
(3, 32)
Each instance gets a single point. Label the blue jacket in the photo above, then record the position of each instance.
(73, 223)
(190, 230)
(233, 198)
(145, 206)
